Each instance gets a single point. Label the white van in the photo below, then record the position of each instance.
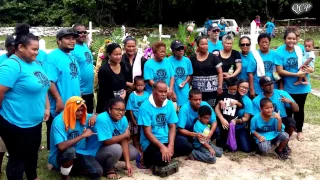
(233, 27)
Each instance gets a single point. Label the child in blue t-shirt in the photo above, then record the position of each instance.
(134, 102)
(267, 129)
(204, 150)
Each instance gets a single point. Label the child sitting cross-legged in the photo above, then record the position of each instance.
(267, 129)
(204, 150)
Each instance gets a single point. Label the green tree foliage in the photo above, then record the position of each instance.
(142, 12)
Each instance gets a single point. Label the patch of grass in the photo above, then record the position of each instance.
(312, 106)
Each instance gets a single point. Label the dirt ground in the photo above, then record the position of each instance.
(303, 164)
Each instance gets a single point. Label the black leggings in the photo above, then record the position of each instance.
(153, 156)
(300, 99)
(23, 146)
(89, 102)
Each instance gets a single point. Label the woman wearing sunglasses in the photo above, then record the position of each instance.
(246, 56)
(113, 132)
(231, 59)
(182, 70)
(111, 77)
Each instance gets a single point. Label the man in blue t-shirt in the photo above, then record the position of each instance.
(188, 115)
(214, 44)
(85, 60)
(270, 27)
(63, 71)
(73, 144)
(158, 119)
(9, 45)
(281, 100)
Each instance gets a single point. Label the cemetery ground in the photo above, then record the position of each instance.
(303, 164)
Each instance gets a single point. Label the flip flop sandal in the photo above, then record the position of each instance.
(113, 172)
(139, 164)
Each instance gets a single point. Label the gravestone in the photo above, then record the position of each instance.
(254, 33)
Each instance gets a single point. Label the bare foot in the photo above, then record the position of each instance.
(300, 136)
(305, 82)
(297, 83)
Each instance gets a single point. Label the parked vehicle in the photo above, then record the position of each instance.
(233, 27)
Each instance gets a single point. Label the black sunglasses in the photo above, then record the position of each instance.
(242, 45)
(82, 32)
(80, 101)
(179, 48)
(216, 30)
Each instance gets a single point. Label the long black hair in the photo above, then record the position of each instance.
(23, 36)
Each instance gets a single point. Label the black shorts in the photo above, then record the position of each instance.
(288, 122)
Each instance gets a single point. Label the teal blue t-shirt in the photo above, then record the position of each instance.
(3, 57)
(158, 119)
(157, 71)
(42, 56)
(106, 128)
(277, 104)
(270, 61)
(63, 70)
(289, 62)
(85, 60)
(187, 116)
(181, 69)
(135, 101)
(24, 103)
(270, 27)
(223, 29)
(59, 134)
(248, 109)
(268, 129)
(214, 47)
(245, 64)
(198, 128)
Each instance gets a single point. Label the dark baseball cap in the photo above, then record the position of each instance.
(214, 26)
(265, 80)
(9, 41)
(175, 44)
(66, 32)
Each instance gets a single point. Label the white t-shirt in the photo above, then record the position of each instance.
(308, 55)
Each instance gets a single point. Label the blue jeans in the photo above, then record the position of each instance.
(243, 140)
(203, 154)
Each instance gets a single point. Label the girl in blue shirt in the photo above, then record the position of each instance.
(23, 88)
(244, 115)
(288, 69)
(113, 133)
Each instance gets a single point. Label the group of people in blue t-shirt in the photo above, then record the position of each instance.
(170, 106)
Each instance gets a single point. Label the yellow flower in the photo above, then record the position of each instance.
(107, 41)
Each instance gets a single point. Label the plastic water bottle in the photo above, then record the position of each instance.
(205, 133)
(230, 71)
